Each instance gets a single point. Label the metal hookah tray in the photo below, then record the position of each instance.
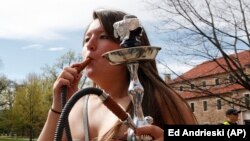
(131, 55)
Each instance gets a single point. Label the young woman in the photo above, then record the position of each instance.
(159, 101)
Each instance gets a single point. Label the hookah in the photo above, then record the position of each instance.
(129, 29)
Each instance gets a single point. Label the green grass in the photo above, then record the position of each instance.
(13, 139)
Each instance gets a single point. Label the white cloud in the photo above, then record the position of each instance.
(42, 19)
(33, 46)
(172, 67)
(56, 49)
(39, 47)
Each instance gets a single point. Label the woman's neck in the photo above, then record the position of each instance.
(115, 87)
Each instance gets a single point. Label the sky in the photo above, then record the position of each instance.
(34, 33)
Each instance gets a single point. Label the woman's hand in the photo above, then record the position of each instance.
(154, 131)
(69, 77)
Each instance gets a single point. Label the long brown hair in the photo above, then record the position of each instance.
(160, 101)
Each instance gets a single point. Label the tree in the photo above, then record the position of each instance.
(51, 72)
(205, 30)
(31, 99)
(6, 92)
(31, 105)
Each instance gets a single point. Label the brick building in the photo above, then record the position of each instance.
(209, 89)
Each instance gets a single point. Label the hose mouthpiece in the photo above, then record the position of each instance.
(83, 64)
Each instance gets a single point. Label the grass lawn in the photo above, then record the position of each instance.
(3, 138)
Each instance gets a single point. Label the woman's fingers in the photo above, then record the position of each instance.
(154, 131)
(68, 77)
(68, 74)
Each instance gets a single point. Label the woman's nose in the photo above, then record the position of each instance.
(91, 45)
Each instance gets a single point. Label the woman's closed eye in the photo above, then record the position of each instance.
(105, 37)
(86, 39)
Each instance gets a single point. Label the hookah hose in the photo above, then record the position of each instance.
(79, 68)
(107, 101)
(67, 106)
(63, 102)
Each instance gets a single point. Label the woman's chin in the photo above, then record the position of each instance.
(89, 73)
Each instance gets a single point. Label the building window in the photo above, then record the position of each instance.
(217, 82)
(231, 78)
(204, 105)
(247, 100)
(181, 88)
(192, 106)
(218, 104)
(203, 83)
(192, 86)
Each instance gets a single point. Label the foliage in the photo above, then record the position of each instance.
(29, 101)
(6, 92)
(196, 31)
(30, 107)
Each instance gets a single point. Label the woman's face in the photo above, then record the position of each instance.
(97, 42)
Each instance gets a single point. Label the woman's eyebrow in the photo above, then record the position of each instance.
(99, 31)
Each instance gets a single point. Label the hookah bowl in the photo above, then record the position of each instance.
(131, 55)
